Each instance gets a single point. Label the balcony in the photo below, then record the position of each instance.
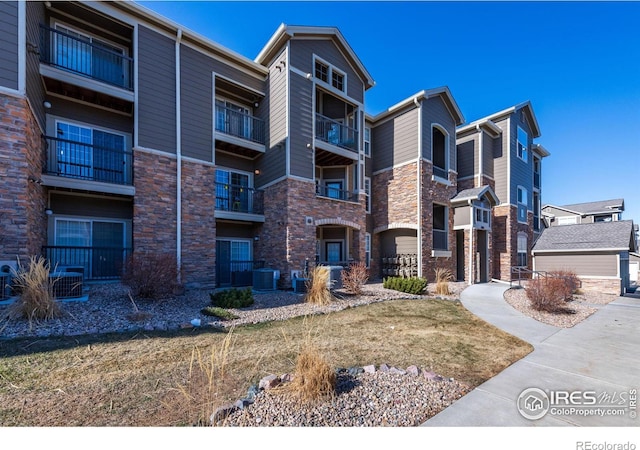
(81, 162)
(240, 130)
(332, 192)
(335, 133)
(86, 57)
(239, 202)
(97, 263)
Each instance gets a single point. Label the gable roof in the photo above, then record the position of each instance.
(590, 208)
(535, 128)
(425, 94)
(597, 236)
(286, 32)
(476, 193)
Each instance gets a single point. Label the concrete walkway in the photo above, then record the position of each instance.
(599, 354)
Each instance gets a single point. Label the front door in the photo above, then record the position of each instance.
(483, 263)
(333, 252)
(223, 263)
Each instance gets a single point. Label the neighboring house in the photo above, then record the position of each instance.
(599, 253)
(122, 131)
(497, 153)
(590, 212)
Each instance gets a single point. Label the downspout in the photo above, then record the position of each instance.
(178, 162)
(480, 155)
(471, 255)
(419, 185)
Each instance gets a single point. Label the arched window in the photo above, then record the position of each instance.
(440, 152)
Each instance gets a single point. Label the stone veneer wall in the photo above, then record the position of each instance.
(505, 229)
(198, 225)
(22, 202)
(287, 240)
(435, 192)
(154, 205)
(606, 286)
(394, 197)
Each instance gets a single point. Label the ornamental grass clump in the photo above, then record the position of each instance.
(443, 277)
(318, 292)
(37, 299)
(314, 379)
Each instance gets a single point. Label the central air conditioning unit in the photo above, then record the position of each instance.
(300, 285)
(7, 270)
(67, 284)
(264, 280)
(4, 286)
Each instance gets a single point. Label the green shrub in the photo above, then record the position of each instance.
(412, 285)
(220, 313)
(232, 298)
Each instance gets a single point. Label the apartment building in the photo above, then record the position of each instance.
(497, 157)
(123, 131)
(587, 212)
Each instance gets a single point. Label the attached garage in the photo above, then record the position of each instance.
(599, 253)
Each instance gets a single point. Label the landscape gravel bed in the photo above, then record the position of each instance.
(579, 308)
(108, 308)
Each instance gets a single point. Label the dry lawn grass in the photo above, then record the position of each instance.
(141, 379)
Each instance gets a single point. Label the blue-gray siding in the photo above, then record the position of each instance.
(35, 90)
(9, 44)
(302, 51)
(301, 117)
(466, 154)
(277, 100)
(156, 91)
(395, 141)
(434, 111)
(196, 104)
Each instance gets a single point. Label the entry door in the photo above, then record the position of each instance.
(333, 251)
(223, 263)
(483, 263)
(108, 240)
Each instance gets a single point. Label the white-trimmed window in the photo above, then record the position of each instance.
(440, 152)
(482, 218)
(523, 144)
(233, 191)
(327, 73)
(367, 141)
(440, 227)
(523, 204)
(367, 193)
(367, 249)
(522, 250)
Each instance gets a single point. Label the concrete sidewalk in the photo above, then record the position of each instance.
(600, 354)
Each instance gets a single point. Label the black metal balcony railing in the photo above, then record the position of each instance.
(236, 273)
(242, 199)
(335, 193)
(98, 263)
(336, 133)
(90, 58)
(239, 124)
(71, 159)
(440, 240)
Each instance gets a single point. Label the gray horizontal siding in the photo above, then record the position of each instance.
(434, 111)
(9, 44)
(583, 264)
(302, 51)
(466, 156)
(395, 141)
(398, 241)
(521, 172)
(500, 162)
(301, 117)
(277, 100)
(196, 104)
(272, 164)
(156, 91)
(232, 162)
(73, 205)
(35, 90)
(83, 113)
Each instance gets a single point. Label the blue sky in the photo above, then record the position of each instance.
(577, 62)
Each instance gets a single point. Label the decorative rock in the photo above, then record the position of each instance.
(353, 371)
(222, 413)
(370, 369)
(269, 382)
(413, 370)
(429, 375)
(384, 368)
(397, 371)
(286, 378)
